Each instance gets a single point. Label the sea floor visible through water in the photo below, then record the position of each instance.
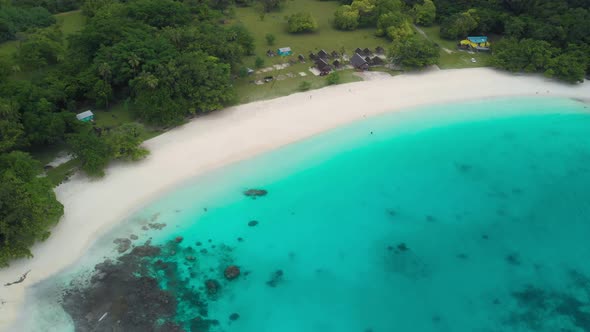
(459, 217)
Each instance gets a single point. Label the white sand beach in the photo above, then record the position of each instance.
(93, 206)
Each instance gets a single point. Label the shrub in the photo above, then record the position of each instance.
(333, 78)
(304, 86)
(301, 22)
(270, 39)
(346, 18)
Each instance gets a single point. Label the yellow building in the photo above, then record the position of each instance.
(479, 43)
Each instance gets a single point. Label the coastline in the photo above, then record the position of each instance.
(94, 206)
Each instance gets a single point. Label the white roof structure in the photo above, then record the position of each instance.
(285, 49)
(84, 115)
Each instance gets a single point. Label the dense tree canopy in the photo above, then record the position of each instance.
(414, 52)
(550, 36)
(17, 19)
(28, 207)
(346, 18)
(163, 59)
(425, 13)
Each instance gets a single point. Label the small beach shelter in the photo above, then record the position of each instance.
(86, 116)
(380, 50)
(358, 50)
(284, 51)
(323, 54)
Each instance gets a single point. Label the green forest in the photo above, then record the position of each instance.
(159, 62)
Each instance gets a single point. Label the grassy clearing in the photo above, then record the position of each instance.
(117, 115)
(249, 92)
(326, 37)
(450, 57)
(71, 22)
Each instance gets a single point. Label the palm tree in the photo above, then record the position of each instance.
(104, 70)
(134, 61)
(148, 80)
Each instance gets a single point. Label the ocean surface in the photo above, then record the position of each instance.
(459, 217)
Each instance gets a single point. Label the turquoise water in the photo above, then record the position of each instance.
(462, 217)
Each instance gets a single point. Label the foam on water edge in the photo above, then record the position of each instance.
(470, 216)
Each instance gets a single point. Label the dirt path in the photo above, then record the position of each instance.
(420, 31)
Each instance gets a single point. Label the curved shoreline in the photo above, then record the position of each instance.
(94, 206)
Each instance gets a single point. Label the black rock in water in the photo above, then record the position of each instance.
(275, 278)
(255, 192)
(252, 223)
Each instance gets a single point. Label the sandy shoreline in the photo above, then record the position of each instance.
(93, 207)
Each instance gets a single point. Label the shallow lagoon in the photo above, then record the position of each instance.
(462, 217)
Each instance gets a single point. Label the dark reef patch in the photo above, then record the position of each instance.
(151, 288)
(538, 307)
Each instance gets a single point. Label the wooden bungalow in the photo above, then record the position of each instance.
(358, 50)
(322, 65)
(323, 54)
(379, 50)
(301, 58)
(312, 56)
(377, 61)
(367, 52)
(358, 62)
(337, 64)
(368, 59)
(270, 53)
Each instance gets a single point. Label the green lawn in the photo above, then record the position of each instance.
(71, 22)
(450, 57)
(248, 92)
(326, 37)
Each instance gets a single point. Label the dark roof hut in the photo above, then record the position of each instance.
(270, 53)
(379, 50)
(312, 56)
(337, 64)
(358, 50)
(301, 58)
(358, 62)
(368, 59)
(377, 61)
(322, 65)
(323, 54)
(367, 52)
(335, 54)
